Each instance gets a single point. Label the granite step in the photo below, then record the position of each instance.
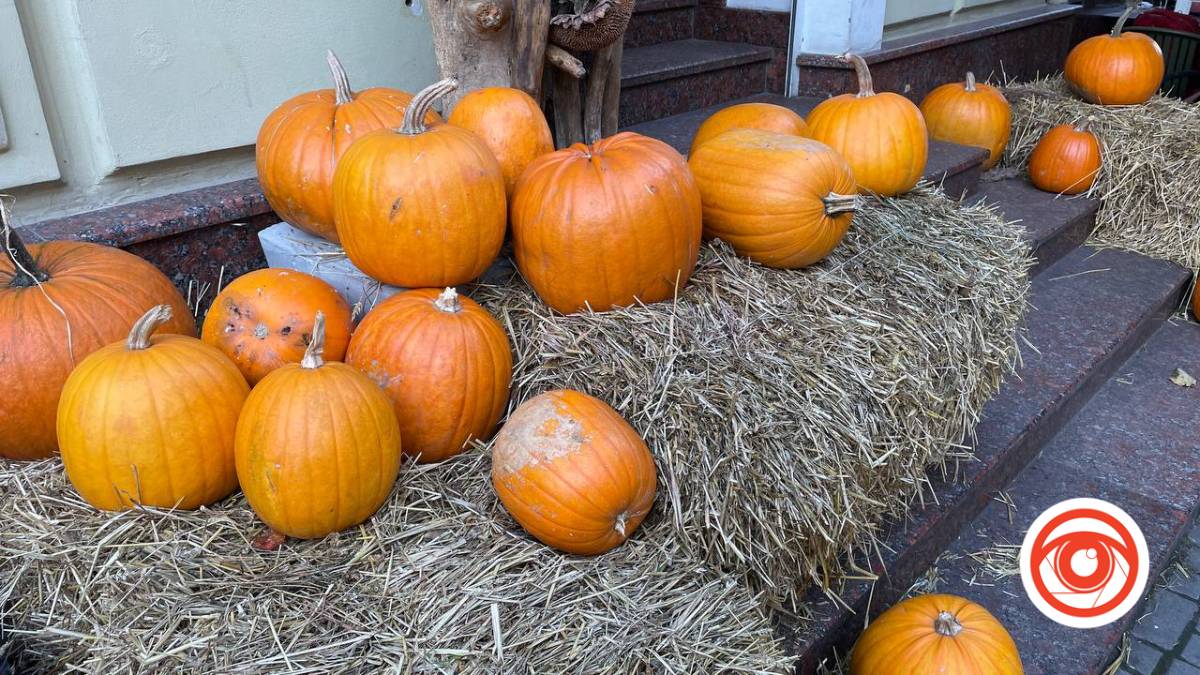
(1133, 445)
(1054, 224)
(669, 78)
(955, 167)
(656, 21)
(1090, 311)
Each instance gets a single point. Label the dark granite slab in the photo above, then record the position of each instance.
(645, 6)
(684, 94)
(1055, 225)
(666, 25)
(751, 26)
(671, 60)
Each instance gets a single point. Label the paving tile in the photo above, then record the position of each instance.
(1191, 651)
(1168, 620)
(1178, 667)
(1143, 657)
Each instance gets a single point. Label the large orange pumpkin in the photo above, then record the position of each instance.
(969, 113)
(263, 320)
(573, 473)
(318, 446)
(1066, 160)
(150, 421)
(882, 136)
(763, 116)
(512, 125)
(783, 201)
(444, 361)
(932, 635)
(1116, 69)
(301, 141)
(59, 302)
(608, 224)
(421, 206)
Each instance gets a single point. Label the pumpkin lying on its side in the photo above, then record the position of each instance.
(761, 116)
(1066, 160)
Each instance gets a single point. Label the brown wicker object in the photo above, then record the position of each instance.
(595, 28)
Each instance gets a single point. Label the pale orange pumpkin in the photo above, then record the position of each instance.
(1066, 160)
(573, 473)
(969, 113)
(762, 116)
(151, 421)
(782, 201)
(605, 225)
(263, 320)
(421, 206)
(317, 446)
(444, 361)
(1116, 69)
(301, 141)
(510, 123)
(935, 634)
(882, 136)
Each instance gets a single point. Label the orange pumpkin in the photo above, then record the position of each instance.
(1116, 69)
(317, 447)
(969, 113)
(608, 224)
(420, 207)
(59, 302)
(931, 634)
(510, 123)
(763, 116)
(882, 136)
(445, 363)
(1066, 160)
(263, 320)
(573, 473)
(782, 201)
(301, 141)
(150, 421)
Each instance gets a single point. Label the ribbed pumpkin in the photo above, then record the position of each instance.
(263, 320)
(782, 201)
(151, 421)
(444, 361)
(1116, 69)
(607, 224)
(932, 635)
(100, 291)
(510, 123)
(318, 446)
(421, 206)
(1066, 160)
(573, 473)
(969, 113)
(882, 136)
(301, 141)
(763, 116)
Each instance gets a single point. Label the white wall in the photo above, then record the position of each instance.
(111, 101)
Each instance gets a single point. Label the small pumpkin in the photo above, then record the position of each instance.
(782, 201)
(151, 420)
(763, 116)
(607, 224)
(969, 113)
(301, 142)
(421, 206)
(931, 634)
(882, 136)
(59, 302)
(573, 473)
(444, 361)
(263, 320)
(1116, 69)
(510, 123)
(317, 447)
(1066, 160)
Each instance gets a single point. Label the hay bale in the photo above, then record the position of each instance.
(1150, 173)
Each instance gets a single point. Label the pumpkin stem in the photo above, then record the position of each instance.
(837, 204)
(139, 335)
(316, 346)
(970, 84)
(947, 625)
(448, 301)
(1130, 6)
(341, 83)
(865, 86)
(26, 272)
(622, 521)
(414, 116)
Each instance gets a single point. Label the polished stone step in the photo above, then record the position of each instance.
(1054, 224)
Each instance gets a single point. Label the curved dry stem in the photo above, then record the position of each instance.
(139, 335)
(26, 272)
(1086, 124)
(316, 346)
(836, 204)
(448, 301)
(1130, 5)
(970, 83)
(341, 83)
(865, 86)
(946, 625)
(414, 116)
